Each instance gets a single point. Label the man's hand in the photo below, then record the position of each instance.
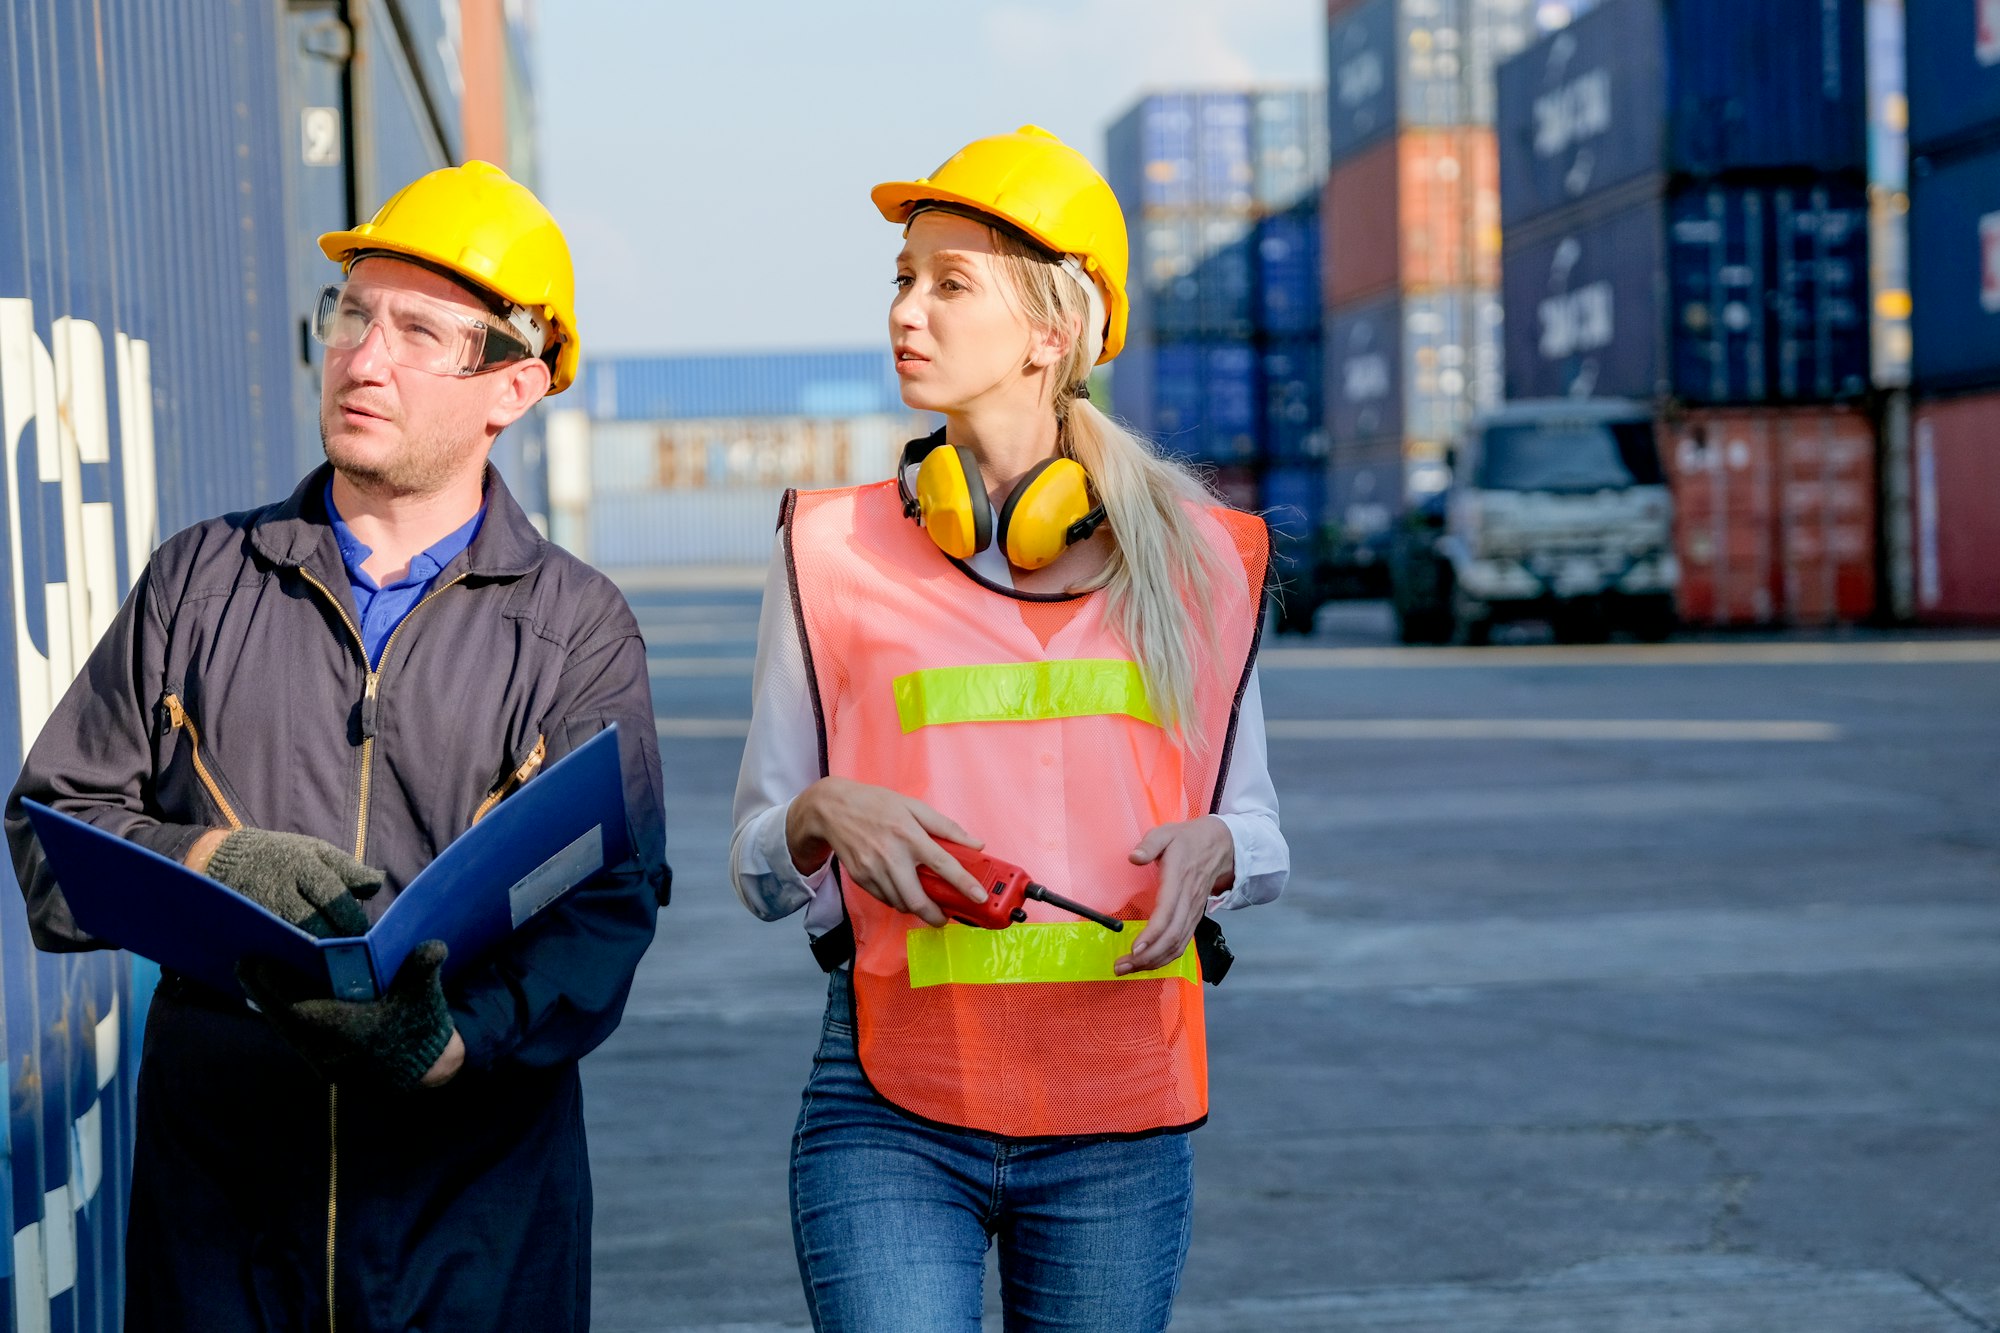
(306, 881)
(404, 1039)
(1196, 858)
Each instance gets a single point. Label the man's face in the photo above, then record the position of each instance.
(387, 426)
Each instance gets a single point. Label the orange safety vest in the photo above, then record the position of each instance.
(1024, 718)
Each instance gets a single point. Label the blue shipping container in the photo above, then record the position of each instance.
(1955, 271)
(1414, 367)
(1182, 150)
(1294, 501)
(1196, 400)
(1193, 274)
(1288, 140)
(1639, 88)
(1953, 54)
(1294, 424)
(1288, 272)
(1711, 294)
(1395, 63)
(856, 383)
(1365, 487)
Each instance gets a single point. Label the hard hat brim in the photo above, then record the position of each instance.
(897, 200)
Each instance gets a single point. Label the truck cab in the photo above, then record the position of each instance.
(1556, 510)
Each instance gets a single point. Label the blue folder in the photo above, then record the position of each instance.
(524, 856)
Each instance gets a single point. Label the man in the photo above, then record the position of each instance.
(309, 701)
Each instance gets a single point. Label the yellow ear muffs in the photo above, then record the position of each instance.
(952, 502)
(1049, 510)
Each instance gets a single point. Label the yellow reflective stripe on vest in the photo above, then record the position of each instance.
(1022, 692)
(1031, 951)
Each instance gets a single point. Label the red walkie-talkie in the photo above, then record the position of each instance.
(1006, 885)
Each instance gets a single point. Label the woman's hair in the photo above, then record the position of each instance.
(1160, 561)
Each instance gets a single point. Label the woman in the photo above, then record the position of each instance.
(1038, 641)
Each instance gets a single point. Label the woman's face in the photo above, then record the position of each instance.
(956, 325)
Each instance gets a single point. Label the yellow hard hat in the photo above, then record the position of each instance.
(1039, 185)
(480, 223)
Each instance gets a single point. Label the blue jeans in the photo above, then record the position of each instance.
(892, 1218)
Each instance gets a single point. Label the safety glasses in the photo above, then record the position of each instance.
(419, 332)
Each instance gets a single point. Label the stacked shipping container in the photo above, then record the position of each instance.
(684, 459)
(1411, 239)
(1683, 185)
(167, 163)
(1222, 363)
(1954, 137)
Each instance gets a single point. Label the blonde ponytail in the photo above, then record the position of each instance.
(1160, 560)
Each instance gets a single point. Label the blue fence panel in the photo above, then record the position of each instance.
(1953, 50)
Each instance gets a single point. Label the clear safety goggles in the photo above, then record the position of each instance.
(419, 332)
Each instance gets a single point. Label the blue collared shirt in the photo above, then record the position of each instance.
(383, 607)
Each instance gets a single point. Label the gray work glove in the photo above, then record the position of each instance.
(394, 1040)
(304, 880)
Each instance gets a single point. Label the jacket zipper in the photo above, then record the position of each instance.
(177, 717)
(370, 692)
(512, 782)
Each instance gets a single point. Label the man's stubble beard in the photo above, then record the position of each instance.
(423, 466)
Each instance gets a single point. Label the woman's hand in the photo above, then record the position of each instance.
(881, 837)
(1197, 858)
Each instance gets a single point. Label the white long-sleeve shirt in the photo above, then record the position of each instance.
(781, 759)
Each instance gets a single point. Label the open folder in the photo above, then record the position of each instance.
(524, 856)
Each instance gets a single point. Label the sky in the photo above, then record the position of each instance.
(711, 162)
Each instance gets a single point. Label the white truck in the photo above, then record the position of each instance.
(1557, 510)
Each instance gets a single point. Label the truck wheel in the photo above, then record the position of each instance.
(1581, 622)
(1653, 620)
(1472, 621)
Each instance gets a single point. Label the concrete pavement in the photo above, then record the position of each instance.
(1631, 989)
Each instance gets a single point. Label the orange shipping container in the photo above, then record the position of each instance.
(1417, 212)
(1956, 494)
(1774, 514)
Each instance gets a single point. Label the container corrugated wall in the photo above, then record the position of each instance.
(167, 162)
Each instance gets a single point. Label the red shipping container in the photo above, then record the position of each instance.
(1774, 514)
(1955, 455)
(1417, 212)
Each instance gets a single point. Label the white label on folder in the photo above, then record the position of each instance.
(549, 880)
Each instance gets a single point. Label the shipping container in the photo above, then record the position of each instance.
(1955, 270)
(1365, 487)
(1288, 265)
(627, 456)
(1413, 368)
(1291, 373)
(1197, 400)
(1407, 64)
(1416, 212)
(860, 382)
(1775, 514)
(1293, 500)
(1699, 88)
(1710, 294)
(166, 170)
(1183, 151)
(1955, 492)
(1235, 485)
(1954, 64)
(1288, 146)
